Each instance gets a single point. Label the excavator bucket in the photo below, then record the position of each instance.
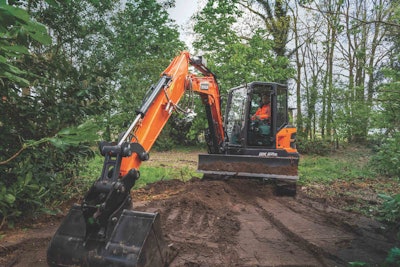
(134, 240)
(250, 166)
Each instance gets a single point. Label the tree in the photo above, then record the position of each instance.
(354, 45)
(387, 117)
(61, 99)
(15, 28)
(144, 42)
(240, 52)
(274, 14)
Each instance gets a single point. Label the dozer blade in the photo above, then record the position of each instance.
(249, 166)
(136, 240)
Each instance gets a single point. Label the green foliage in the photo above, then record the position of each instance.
(182, 129)
(35, 180)
(394, 257)
(314, 147)
(390, 211)
(144, 43)
(349, 120)
(387, 157)
(387, 117)
(357, 263)
(16, 26)
(214, 24)
(164, 142)
(94, 74)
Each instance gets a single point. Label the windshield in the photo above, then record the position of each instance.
(236, 115)
(281, 107)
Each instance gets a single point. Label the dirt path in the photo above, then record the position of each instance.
(242, 223)
(235, 223)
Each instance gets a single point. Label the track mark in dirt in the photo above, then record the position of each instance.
(199, 225)
(311, 236)
(261, 243)
(339, 236)
(370, 243)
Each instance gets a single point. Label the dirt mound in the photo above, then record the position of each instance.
(238, 223)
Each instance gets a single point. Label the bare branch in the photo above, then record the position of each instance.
(14, 156)
(361, 21)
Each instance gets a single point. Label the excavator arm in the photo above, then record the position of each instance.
(207, 87)
(103, 230)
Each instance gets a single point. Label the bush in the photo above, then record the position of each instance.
(40, 177)
(317, 147)
(394, 257)
(181, 129)
(390, 211)
(387, 157)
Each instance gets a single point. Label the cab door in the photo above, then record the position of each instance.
(260, 126)
(235, 116)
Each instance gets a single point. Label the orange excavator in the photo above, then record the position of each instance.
(104, 230)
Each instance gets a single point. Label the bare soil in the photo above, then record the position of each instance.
(236, 223)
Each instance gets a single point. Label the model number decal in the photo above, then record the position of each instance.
(267, 154)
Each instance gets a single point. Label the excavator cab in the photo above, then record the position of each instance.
(245, 123)
(257, 145)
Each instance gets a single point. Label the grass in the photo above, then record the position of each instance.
(343, 167)
(179, 164)
(348, 164)
(153, 174)
(347, 180)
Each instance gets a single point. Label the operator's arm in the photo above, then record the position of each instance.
(263, 113)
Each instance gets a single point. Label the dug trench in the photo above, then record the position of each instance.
(235, 223)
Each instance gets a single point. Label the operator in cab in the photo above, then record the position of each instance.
(264, 111)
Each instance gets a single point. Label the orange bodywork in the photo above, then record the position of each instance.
(284, 139)
(152, 123)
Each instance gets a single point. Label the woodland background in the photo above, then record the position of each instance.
(74, 72)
